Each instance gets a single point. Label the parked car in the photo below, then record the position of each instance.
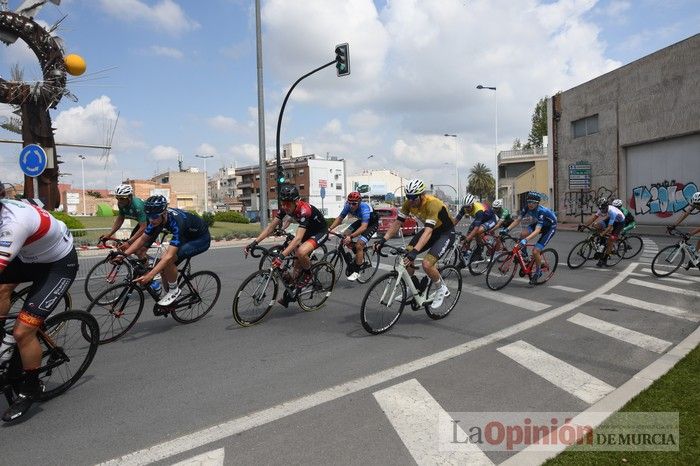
(387, 215)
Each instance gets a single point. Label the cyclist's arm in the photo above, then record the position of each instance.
(460, 214)
(139, 232)
(301, 231)
(138, 244)
(515, 223)
(393, 229)
(118, 222)
(336, 222)
(13, 239)
(535, 232)
(684, 215)
(167, 258)
(593, 218)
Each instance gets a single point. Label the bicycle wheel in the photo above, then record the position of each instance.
(254, 298)
(18, 298)
(369, 266)
(634, 245)
(116, 310)
(312, 297)
(668, 260)
(501, 270)
(203, 290)
(105, 274)
(383, 303)
(266, 259)
(337, 262)
(479, 261)
(579, 254)
(74, 337)
(550, 260)
(616, 253)
(453, 280)
(319, 253)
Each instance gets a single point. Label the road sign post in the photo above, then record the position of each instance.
(323, 195)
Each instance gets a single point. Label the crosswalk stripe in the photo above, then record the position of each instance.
(415, 415)
(566, 288)
(560, 373)
(680, 281)
(633, 337)
(659, 286)
(599, 269)
(210, 458)
(685, 277)
(523, 303)
(653, 307)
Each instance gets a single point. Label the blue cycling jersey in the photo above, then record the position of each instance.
(364, 212)
(540, 217)
(184, 227)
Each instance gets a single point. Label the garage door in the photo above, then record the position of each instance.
(661, 178)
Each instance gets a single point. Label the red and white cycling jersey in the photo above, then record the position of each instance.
(32, 234)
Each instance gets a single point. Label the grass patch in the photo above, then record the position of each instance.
(678, 390)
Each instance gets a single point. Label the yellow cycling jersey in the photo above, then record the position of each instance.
(476, 208)
(431, 211)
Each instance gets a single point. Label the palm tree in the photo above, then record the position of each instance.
(481, 182)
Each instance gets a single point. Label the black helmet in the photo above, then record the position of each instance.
(2, 190)
(155, 205)
(289, 192)
(533, 196)
(603, 204)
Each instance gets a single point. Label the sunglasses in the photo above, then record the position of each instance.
(412, 197)
(122, 198)
(154, 216)
(354, 203)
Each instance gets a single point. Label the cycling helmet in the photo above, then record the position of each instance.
(469, 199)
(123, 190)
(695, 200)
(354, 197)
(415, 187)
(289, 192)
(155, 205)
(497, 204)
(2, 190)
(617, 203)
(603, 204)
(533, 197)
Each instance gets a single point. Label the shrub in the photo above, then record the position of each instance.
(71, 222)
(115, 212)
(208, 218)
(231, 217)
(329, 221)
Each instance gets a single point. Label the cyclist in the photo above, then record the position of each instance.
(630, 222)
(504, 219)
(130, 207)
(34, 247)
(312, 233)
(610, 220)
(484, 220)
(190, 237)
(694, 205)
(537, 220)
(436, 237)
(363, 228)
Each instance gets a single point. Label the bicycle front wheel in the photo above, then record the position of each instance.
(204, 288)
(668, 260)
(616, 253)
(501, 270)
(254, 298)
(633, 246)
(579, 254)
(313, 296)
(453, 280)
(337, 261)
(266, 259)
(383, 303)
(550, 260)
(116, 310)
(68, 342)
(479, 262)
(369, 266)
(105, 274)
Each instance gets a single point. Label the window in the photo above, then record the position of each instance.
(301, 187)
(339, 186)
(301, 172)
(257, 177)
(585, 126)
(338, 198)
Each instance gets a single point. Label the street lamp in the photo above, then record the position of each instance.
(82, 170)
(495, 99)
(206, 184)
(456, 160)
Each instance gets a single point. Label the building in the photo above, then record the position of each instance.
(223, 190)
(380, 182)
(521, 171)
(632, 133)
(187, 187)
(144, 189)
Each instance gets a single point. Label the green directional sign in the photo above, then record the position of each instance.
(363, 188)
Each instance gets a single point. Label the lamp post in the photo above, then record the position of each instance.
(206, 183)
(495, 99)
(82, 171)
(456, 160)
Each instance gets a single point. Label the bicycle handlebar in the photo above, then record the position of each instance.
(674, 232)
(394, 250)
(253, 251)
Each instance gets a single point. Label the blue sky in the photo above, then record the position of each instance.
(182, 75)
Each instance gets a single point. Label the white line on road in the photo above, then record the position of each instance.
(566, 288)
(560, 373)
(659, 286)
(642, 340)
(599, 269)
(685, 277)
(210, 458)
(647, 306)
(235, 426)
(416, 416)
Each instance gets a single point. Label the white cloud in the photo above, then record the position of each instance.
(206, 149)
(164, 153)
(615, 8)
(333, 127)
(166, 52)
(165, 15)
(223, 123)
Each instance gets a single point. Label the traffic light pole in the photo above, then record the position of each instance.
(279, 125)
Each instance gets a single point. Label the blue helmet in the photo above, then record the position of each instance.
(534, 196)
(155, 205)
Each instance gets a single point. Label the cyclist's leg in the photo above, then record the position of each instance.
(348, 231)
(545, 237)
(6, 290)
(303, 255)
(141, 253)
(438, 248)
(411, 245)
(362, 241)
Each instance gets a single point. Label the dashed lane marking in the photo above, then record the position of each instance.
(633, 337)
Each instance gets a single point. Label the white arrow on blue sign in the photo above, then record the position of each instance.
(323, 192)
(32, 160)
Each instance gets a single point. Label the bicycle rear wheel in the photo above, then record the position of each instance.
(633, 246)
(337, 262)
(453, 280)
(254, 298)
(369, 266)
(668, 260)
(203, 290)
(501, 270)
(550, 260)
(383, 303)
(312, 297)
(116, 310)
(579, 254)
(616, 253)
(105, 274)
(74, 337)
(18, 298)
(479, 260)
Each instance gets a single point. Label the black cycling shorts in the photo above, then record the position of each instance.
(49, 282)
(367, 234)
(317, 238)
(438, 244)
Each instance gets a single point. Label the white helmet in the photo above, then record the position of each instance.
(123, 190)
(469, 199)
(695, 200)
(415, 187)
(497, 204)
(617, 203)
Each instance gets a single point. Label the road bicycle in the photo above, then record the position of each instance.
(340, 259)
(632, 245)
(118, 307)
(593, 247)
(671, 258)
(68, 343)
(107, 272)
(258, 292)
(271, 252)
(503, 267)
(387, 296)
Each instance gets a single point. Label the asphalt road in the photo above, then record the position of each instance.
(315, 388)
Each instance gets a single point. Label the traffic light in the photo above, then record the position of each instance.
(342, 59)
(280, 176)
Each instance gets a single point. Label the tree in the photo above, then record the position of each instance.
(517, 144)
(539, 125)
(481, 182)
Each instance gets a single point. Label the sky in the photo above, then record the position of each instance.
(182, 77)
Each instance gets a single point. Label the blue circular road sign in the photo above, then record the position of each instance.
(32, 160)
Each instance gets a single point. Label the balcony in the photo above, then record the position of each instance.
(522, 155)
(248, 184)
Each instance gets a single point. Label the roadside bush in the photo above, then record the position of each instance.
(231, 217)
(71, 222)
(208, 218)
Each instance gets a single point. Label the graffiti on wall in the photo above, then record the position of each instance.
(584, 202)
(662, 199)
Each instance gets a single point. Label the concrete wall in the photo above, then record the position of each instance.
(333, 173)
(535, 179)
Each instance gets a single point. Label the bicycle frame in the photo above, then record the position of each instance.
(419, 298)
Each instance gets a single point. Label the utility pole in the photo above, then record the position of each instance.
(261, 121)
(206, 181)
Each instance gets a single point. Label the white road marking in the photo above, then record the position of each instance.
(416, 415)
(210, 458)
(642, 340)
(660, 287)
(560, 373)
(647, 306)
(566, 288)
(685, 277)
(599, 269)
(235, 426)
